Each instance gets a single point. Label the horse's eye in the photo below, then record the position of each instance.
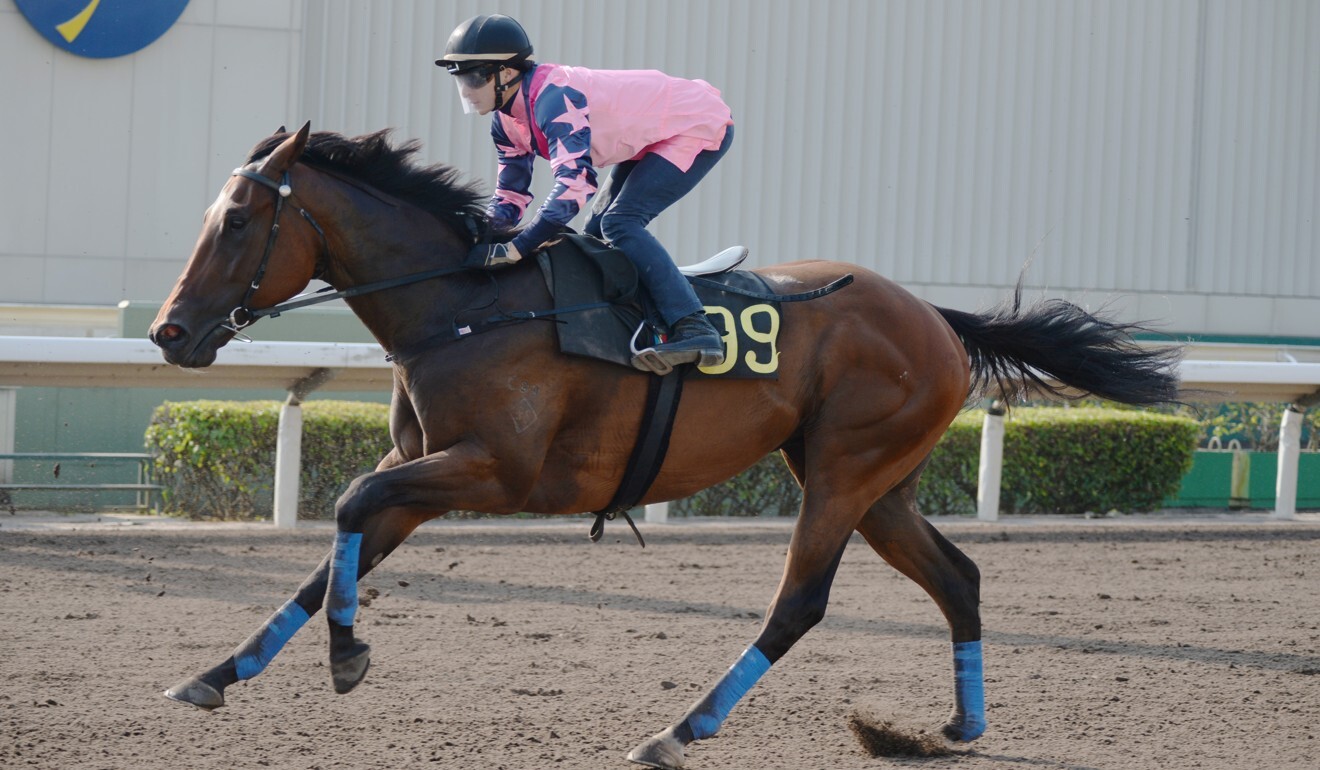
(235, 222)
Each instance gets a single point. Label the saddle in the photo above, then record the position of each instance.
(604, 313)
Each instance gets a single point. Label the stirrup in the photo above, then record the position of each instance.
(648, 359)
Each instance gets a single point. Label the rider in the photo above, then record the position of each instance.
(661, 134)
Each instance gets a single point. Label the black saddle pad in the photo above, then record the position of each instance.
(581, 270)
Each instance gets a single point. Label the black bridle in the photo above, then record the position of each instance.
(243, 315)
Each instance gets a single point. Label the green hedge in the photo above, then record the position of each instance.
(1056, 460)
(216, 459)
(1074, 460)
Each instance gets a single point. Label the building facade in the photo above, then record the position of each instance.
(1162, 157)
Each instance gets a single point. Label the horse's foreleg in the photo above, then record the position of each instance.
(799, 604)
(354, 555)
(250, 658)
(391, 503)
(903, 537)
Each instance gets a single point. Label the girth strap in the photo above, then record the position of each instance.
(662, 396)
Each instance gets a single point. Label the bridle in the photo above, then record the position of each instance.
(243, 315)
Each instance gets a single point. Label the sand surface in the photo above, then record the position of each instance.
(1144, 642)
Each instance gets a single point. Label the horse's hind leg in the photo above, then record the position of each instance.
(902, 536)
(250, 658)
(819, 538)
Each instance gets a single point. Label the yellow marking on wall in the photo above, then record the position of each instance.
(71, 29)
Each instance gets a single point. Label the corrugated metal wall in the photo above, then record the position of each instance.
(1257, 230)
(1129, 146)
(1165, 150)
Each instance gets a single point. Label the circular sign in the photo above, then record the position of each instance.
(102, 29)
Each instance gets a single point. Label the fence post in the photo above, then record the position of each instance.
(657, 513)
(1290, 449)
(288, 447)
(288, 462)
(992, 463)
(8, 397)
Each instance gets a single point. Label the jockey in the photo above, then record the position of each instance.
(661, 135)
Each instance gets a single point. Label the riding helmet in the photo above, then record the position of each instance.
(485, 40)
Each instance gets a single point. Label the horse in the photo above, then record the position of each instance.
(870, 377)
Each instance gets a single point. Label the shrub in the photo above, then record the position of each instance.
(216, 459)
(1059, 460)
(1056, 460)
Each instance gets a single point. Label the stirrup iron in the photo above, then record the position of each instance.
(649, 358)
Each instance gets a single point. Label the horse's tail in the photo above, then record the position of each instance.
(1019, 351)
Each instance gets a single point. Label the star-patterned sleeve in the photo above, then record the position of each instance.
(513, 183)
(563, 116)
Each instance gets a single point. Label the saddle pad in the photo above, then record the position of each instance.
(750, 326)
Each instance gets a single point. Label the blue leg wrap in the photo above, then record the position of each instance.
(252, 656)
(341, 597)
(969, 689)
(710, 712)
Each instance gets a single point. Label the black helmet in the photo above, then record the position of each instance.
(484, 40)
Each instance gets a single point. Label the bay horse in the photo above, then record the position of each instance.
(870, 378)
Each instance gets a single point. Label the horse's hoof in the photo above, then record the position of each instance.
(662, 750)
(195, 692)
(963, 730)
(347, 672)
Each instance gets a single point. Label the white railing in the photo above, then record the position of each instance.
(297, 367)
(301, 367)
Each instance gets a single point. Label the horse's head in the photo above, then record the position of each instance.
(236, 265)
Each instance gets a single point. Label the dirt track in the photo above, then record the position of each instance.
(1132, 644)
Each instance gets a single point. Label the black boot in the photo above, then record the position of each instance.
(694, 340)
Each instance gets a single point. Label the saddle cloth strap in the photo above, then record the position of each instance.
(662, 396)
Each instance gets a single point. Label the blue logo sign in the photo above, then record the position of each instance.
(102, 29)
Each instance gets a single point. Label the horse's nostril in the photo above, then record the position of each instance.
(169, 334)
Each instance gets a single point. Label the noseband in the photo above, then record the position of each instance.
(243, 315)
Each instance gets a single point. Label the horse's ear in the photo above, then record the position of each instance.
(287, 153)
(280, 130)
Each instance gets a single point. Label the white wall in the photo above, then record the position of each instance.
(110, 162)
(1161, 155)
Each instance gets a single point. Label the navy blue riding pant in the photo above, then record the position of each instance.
(631, 196)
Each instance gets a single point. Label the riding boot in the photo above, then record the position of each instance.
(694, 340)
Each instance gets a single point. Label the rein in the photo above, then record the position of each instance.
(327, 294)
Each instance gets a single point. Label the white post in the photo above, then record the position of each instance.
(1290, 449)
(288, 462)
(992, 464)
(657, 513)
(8, 397)
(288, 447)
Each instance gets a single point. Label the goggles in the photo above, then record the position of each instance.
(474, 78)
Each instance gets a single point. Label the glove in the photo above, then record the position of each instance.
(492, 255)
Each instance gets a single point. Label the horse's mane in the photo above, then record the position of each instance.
(439, 190)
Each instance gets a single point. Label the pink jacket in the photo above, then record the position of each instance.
(584, 119)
